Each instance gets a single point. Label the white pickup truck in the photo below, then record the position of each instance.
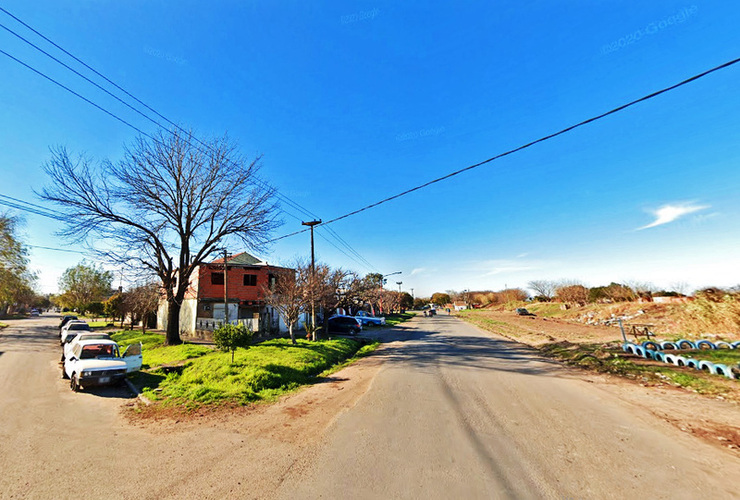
(99, 362)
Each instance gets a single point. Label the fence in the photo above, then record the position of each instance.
(210, 324)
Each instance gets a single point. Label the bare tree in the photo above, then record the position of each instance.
(572, 293)
(143, 301)
(543, 288)
(289, 294)
(165, 208)
(326, 286)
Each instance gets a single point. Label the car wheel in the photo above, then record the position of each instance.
(73, 383)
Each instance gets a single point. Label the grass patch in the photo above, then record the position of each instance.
(262, 372)
(100, 324)
(3, 325)
(155, 353)
(396, 318)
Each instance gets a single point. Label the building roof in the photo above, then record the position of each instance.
(243, 259)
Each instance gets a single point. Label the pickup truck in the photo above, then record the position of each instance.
(365, 319)
(99, 362)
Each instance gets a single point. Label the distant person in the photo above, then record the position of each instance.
(448, 311)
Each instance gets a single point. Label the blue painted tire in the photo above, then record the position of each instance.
(723, 345)
(706, 365)
(668, 345)
(705, 344)
(649, 344)
(723, 370)
(736, 345)
(639, 350)
(670, 359)
(627, 348)
(680, 361)
(659, 356)
(685, 344)
(650, 354)
(692, 363)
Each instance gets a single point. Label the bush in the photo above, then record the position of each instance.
(231, 337)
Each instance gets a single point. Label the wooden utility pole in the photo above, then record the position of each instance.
(311, 224)
(226, 289)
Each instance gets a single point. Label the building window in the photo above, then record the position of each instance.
(250, 280)
(272, 279)
(217, 278)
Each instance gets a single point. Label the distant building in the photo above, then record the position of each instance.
(247, 279)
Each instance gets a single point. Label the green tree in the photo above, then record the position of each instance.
(83, 284)
(440, 299)
(407, 301)
(16, 281)
(230, 337)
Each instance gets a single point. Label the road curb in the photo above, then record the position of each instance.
(136, 392)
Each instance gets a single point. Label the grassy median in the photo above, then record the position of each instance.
(195, 374)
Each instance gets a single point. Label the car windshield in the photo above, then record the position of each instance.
(98, 351)
(79, 326)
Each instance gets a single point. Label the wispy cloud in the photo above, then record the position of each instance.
(418, 270)
(670, 213)
(508, 269)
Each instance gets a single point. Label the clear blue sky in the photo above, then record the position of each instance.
(350, 102)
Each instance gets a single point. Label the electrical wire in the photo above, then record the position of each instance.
(280, 196)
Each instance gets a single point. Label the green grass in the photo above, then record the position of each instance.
(262, 372)
(3, 325)
(100, 324)
(396, 318)
(155, 353)
(725, 356)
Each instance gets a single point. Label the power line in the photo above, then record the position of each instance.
(265, 185)
(525, 146)
(55, 249)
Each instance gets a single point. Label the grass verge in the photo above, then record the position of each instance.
(155, 353)
(261, 373)
(396, 318)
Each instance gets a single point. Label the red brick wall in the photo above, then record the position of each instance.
(236, 288)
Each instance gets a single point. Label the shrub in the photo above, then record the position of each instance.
(230, 337)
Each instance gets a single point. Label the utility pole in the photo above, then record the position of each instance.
(311, 224)
(412, 294)
(399, 283)
(226, 289)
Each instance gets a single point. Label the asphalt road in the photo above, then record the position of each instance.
(447, 412)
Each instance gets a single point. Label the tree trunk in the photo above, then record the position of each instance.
(292, 335)
(173, 324)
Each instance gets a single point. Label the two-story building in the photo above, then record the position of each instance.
(242, 288)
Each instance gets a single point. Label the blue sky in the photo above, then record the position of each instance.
(352, 102)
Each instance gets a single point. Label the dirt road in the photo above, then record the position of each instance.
(444, 411)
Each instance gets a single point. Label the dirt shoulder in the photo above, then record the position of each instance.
(713, 418)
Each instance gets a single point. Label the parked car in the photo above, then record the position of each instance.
(523, 312)
(366, 319)
(72, 340)
(99, 362)
(35, 312)
(344, 324)
(66, 319)
(72, 329)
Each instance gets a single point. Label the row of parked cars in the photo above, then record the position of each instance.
(352, 325)
(92, 358)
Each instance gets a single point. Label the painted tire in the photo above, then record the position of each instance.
(706, 365)
(659, 356)
(692, 363)
(639, 350)
(650, 354)
(628, 348)
(724, 370)
(670, 358)
(736, 345)
(705, 344)
(723, 345)
(668, 345)
(649, 344)
(680, 361)
(685, 344)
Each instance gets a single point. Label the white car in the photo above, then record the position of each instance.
(98, 362)
(365, 319)
(71, 341)
(71, 329)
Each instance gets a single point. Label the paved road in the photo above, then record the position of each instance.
(451, 412)
(455, 413)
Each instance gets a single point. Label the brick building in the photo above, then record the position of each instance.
(203, 308)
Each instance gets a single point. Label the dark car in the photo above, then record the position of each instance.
(523, 312)
(344, 324)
